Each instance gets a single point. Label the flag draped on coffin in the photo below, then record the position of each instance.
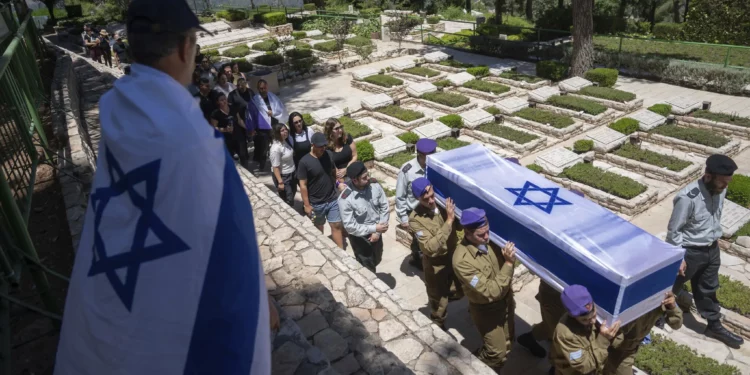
(167, 277)
(563, 238)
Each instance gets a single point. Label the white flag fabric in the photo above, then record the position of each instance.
(167, 277)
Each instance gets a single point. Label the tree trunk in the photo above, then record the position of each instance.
(529, 10)
(583, 43)
(560, 3)
(621, 9)
(652, 14)
(687, 6)
(676, 11)
(499, 5)
(51, 7)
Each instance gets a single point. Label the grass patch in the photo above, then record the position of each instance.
(383, 80)
(329, 46)
(521, 77)
(577, 104)
(723, 117)
(300, 44)
(422, 72)
(296, 54)
(534, 167)
(608, 94)
(649, 157)
(237, 51)
(661, 109)
(354, 128)
(666, 357)
(446, 98)
(478, 71)
(449, 143)
(408, 138)
(692, 135)
(365, 151)
(738, 190)
(545, 117)
(455, 64)
(490, 87)
(612, 183)
(398, 159)
(743, 231)
(266, 45)
(732, 294)
(403, 114)
(358, 41)
(442, 83)
(452, 121)
(583, 145)
(505, 132)
(308, 119)
(625, 125)
(493, 110)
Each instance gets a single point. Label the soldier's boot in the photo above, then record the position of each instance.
(528, 342)
(717, 331)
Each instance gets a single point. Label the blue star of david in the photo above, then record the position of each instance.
(547, 206)
(139, 253)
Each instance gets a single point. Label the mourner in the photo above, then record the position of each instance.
(696, 225)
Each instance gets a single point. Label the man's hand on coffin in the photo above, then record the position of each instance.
(683, 267)
(450, 209)
(609, 332)
(381, 227)
(669, 302)
(509, 253)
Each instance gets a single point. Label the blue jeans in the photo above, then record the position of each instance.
(326, 212)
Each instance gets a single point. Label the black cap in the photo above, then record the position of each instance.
(720, 164)
(355, 169)
(158, 16)
(319, 139)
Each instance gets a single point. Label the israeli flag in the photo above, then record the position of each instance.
(167, 277)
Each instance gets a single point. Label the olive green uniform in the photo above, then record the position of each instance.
(437, 241)
(552, 310)
(486, 281)
(625, 345)
(576, 349)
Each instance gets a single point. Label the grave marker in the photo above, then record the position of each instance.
(500, 68)
(420, 88)
(459, 79)
(361, 74)
(388, 146)
(648, 120)
(434, 130)
(733, 217)
(436, 57)
(476, 117)
(554, 161)
(511, 105)
(376, 101)
(682, 105)
(400, 65)
(320, 116)
(574, 84)
(543, 93)
(606, 139)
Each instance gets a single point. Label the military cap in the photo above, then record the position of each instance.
(426, 146)
(720, 164)
(419, 186)
(577, 300)
(513, 160)
(473, 218)
(355, 169)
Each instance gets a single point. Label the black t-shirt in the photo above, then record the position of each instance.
(199, 58)
(122, 52)
(342, 158)
(224, 119)
(238, 101)
(207, 106)
(318, 172)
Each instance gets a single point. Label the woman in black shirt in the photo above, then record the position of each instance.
(226, 122)
(299, 136)
(342, 147)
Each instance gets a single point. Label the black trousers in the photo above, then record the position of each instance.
(107, 57)
(703, 273)
(368, 254)
(240, 139)
(261, 140)
(290, 187)
(230, 142)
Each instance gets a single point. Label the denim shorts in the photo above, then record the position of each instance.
(326, 212)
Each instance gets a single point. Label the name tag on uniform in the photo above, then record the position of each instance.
(576, 355)
(474, 281)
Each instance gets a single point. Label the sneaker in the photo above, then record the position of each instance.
(528, 342)
(717, 331)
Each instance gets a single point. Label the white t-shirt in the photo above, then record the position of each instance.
(301, 137)
(282, 155)
(230, 88)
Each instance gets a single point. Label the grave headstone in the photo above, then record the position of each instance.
(320, 116)
(434, 130)
(420, 88)
(351, 8)
(376, 101)
(500, 68)
(543, 93)
(733, 217)
(400, 65)
(648, 120)
(313, 33)
(436, 57)
(511, 105)
(284, 38)
(364, 73)
(459, 79)
(606, 139)
(682, 105)
(574, 84)
(388, 146)
(555, 160)
(476, 117)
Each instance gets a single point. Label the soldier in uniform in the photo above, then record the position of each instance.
(435, 229)
(696, 225)
(578, 347)
(364, 213)
(405, 201)
(622, 353)
(485, 272)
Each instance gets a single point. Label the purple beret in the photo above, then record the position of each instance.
(577, 300)
(513, 160)
(473, 218)
(426, 146)
(419, 186)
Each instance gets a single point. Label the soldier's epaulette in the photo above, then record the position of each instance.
(693, 193)
(406, 168)
(345, 193)
(373, 180)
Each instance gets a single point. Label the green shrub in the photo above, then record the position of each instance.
(329, 46)
(244, 65)
(445, 98)
(738, 190)
(668, 31)
(493, 110)
(403, 114)
(612, 183)
(422, 72)
(358, 41)
(552, 70)
(266, 45)
(365, 151)
(309, 7)
(603, 76)
(661, 109)
(211, 52)
(625, 125)
(443, 83)
(490, 87)
(507, 133)
(383, 80)
(478, 71)
(370, 12)
(452, 121)
(299, 34)
(274, 18)
(577, 104)
(433, 20)
(300, 44)
(455, 64)
(308, 119)
(693, 135)
(534, 167)
(666, 357)
(722, 117)
(232, 15)
(718, 21)
(296, 54)
(732, 294)
(456, 13)
(654, 158)
(583, 145)
(449, 143)
(607, 94)
(237, 51)
(354, 128)
(396, 160)
(545, 117)
(270, 59)
(521, 77)
(409, 137)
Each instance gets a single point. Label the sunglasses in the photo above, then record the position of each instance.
(337, 128)
(297, 122)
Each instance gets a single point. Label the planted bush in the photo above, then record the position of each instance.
(445, 98)
(545, 117)
(738, 190)
(365, 151)
(449, 143)
(654, 158)
(521, 77)
(577, 104)
(274, 18)
(309, 7)
(693, 135)
(612, 183)
(243, 64)
(492, 110)
(583, 145)
(661, 109)
(266, 45)
(603, 76)
(433, 20)
(478, 71)
(442, 83)
(490, 87)
(625, 125)
(358, 41)
(232, 15)
(608, 94)
(722, 117)
(422, 72)
(452, 121)
(270, 59)
(211, 52)
(299, 34)
(237, 51)
(383, 80)
(409, 137)
(666, 357)
(552, 70)
(300, 44)
(354, 128)
(397, 159)
(296, 54)
(507, 133)
(535, 167)
(668, 31)
(403, 114)
(455, 64)
(329, 46)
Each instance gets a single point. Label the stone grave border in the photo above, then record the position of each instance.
(719, 127)
(680, 178)
(521, 149)
(333, 54)
(485, 95)
(387, 169)
(440, 107)
(626, 107)
(413, 77)
(371, 87)
(599, 119)
(562, 134)
(401, 124)
(733, 321)
(374, 135)
(730, 149)
(518, 84)
(735, 249)
(443, 68)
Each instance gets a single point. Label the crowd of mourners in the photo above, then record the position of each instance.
(110, 51)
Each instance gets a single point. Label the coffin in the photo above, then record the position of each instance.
(563, 238)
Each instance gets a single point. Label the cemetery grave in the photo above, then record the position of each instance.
(523, 81)
(506, 137)
(702, 141)
(574, 84)
(446, 102)
(728, 124)
(401, 117)
(622, 101)
(379, 83)
(420, 73)
(546, 122)
(486, 90)
(584, 109)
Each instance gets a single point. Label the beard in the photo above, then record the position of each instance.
(713, 188)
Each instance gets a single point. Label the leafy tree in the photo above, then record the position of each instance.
(399, 27)
(583, 41)
(340, 29)
(718, 21)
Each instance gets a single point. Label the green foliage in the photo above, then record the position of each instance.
(409, 138)
(358, 41)
(728, 118)
(452, 121)
(668, 31)
(300, 34)
(492, 110)
(397, 159)
(534, 167)
(365, 151)
(244, 65)
(693, 135)
(646, 48)
(403, 114)
(583, 145)
(552, 70)
(456, 13)
(449, 143)
(322, 24)
(295, 53)
(732, 294)
(211, 52)
(607, 93)
(329, 46)
(232, 15)
(654, 158)
(237, 51)
(455, 64)
(625, 125)
(354, 128)
(516, 28)
(270, 59)
(442, 83)
(308, 119)
(366, 28)
(370, 12)
(507, 133)
(718, 21)
(433, 20)
(661, 109)
(274, 18)
(422, 71)
(309, 7)
(206, 19)
(666, 357)
(478, 71)
(490, 87)
(521, 77)
(545, 117)
(555, 18)
(266, 45)
(612, 183)
(388, 191)
(577, 104)
(738, 190)
(445, 98)
(300, 44)
(605, 77)
(384, 80)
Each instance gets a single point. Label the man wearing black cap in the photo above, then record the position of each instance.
(696, 225)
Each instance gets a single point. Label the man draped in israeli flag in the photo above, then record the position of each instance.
(167, 277)
(265, 111)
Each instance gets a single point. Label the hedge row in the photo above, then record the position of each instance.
(666, 357)
(661, 109)
(300, 44)
(433, 20)
(365, 151)
(723, 117)
(449, 143)
(408, 138)
(612, 183)
(266, 45)
(577, 104)
(552, 70)
(625, 125)
(446, 98)
(403, 114)
(505, 132)
(299, 34)
(329, 46)
(452, 121)
(654, 158)
(608, 94)
(237, 51)
(274, 18)
(490, 87)
(383, 80)
(545, 117)
(354, 128)
(738, 190)
(693, 135)
(534, 167)
(270, 59)
(301, 53)
(521, 77)
(422, 72)
(397, 159)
